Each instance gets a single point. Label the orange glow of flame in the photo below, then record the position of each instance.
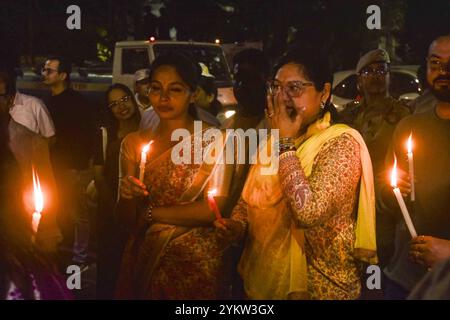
(394, 174)
(409, 143)
(146, 148)
(212, 193)
(38, 195)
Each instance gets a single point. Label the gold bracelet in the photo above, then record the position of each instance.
(287, 140)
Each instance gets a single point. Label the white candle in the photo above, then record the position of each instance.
(145, 149)
(38, 203)
(401, 202)
(405, 212)
(35, 221)
(411, 167)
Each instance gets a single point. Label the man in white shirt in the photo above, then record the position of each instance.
(30, 149)
(32, 113)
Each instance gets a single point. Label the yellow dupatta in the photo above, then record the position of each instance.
(263, 194)
(365, 243)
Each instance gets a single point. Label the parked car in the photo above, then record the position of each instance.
(129, 56)
(404, 85)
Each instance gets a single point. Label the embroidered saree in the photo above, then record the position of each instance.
(168, 261)
(306, 243)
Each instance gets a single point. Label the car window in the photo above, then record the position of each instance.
(211, 56)
(402, 83)
(347, 88)
(134, 59)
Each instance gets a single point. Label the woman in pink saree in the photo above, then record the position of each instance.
(173, 251)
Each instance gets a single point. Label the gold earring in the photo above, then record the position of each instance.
(322, 105)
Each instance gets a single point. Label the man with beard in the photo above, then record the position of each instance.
(377, 113)
(430, 212)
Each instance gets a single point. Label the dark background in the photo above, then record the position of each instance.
(33, 28)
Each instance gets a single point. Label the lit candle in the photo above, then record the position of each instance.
(144, 152)
(212, 203)
(411, 167)
(401, 202)
(38, 203)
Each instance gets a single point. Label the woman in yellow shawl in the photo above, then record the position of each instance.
(312, 219)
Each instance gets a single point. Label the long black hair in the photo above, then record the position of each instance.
(186, 69)
(316, 68)
(108, 118)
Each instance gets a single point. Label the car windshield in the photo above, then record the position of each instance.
(401, 83)
(211, 56)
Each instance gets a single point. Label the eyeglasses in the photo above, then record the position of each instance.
(48, 70)
(293, 89)
(373, 72)
(438, 65)
(119, 102)
(174, 92)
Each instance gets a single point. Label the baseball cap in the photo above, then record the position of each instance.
(141, 74)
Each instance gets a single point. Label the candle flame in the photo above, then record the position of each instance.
(409, 143)
(394, 174)
(212, 193)
(146, 148)
(38, 195)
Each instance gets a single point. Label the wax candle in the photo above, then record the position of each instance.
(212, 203)
(411, 167)
(401, 202)
(38, 202)
(144, 152)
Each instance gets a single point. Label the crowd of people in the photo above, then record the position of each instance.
(159, 229)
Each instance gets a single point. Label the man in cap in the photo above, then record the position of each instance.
(141, 86)
(207, 92)
(377, 113)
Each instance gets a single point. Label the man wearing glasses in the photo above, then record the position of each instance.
(377, 113)
(74, 120)
(412, 259)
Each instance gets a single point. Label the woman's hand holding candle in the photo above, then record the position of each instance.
(131, 187)
(228, 230)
